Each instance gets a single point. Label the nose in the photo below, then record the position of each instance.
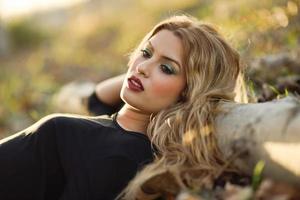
(143, 68)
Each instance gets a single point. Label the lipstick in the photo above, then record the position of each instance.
(135, 84)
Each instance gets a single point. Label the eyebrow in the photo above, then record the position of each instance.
(165, 57)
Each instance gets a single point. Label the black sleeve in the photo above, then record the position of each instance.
(29, 163)
(97, 107)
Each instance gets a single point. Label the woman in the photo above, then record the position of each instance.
(177, 76)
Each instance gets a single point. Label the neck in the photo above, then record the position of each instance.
(133, 120)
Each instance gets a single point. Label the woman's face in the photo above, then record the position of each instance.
(155, 79)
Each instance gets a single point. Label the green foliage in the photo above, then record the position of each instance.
(286, 92)
(274, 89)
(251, 89)
(257, 174)
(25, 34)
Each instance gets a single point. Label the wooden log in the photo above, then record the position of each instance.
(71, 97)
(267, 131)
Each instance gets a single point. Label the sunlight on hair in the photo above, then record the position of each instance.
(188, 137)
(169, 122)
(206, 130)
(241, 90)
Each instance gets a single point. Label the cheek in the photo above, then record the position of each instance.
(167, 88)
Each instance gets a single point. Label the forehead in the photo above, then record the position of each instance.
(166, 43)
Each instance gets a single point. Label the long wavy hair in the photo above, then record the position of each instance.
(183, 134)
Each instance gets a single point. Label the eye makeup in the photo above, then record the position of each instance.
(165, 68)
(150, 47)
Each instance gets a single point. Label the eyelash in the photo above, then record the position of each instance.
(164, 68)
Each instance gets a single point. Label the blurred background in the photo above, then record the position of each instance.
(46, 44)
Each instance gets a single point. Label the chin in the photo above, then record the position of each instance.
(140, 104)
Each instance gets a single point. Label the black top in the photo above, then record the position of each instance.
(69, 158)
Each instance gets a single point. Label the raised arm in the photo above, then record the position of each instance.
(108, 91)
(105, 100)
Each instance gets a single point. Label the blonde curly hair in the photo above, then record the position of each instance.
(183, 134)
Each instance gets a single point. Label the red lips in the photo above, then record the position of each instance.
(135, 84)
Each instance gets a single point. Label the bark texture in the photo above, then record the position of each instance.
(270, 131)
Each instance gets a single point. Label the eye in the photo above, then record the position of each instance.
(167, 69)
(146, 53)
